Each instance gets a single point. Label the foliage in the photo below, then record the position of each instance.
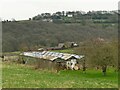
(101, 54)
(28, 35)
(80, 16)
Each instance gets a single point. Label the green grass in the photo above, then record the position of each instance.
(65, 51)
(11, 53)
(21, 76)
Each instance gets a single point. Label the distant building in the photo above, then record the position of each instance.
(47, 20)
(70, 15)
(61, 45)
(71, 44)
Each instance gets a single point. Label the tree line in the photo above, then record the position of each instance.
(79, 17)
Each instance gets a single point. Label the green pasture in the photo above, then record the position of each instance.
(22, 76)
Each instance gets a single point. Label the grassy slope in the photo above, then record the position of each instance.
(20, 76)
(64, 51)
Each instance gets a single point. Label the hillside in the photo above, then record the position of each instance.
(34, 34)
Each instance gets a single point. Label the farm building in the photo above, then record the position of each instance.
(52, 60)
(71, 44)
(61, 45)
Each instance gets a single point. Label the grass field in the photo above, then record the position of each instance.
(65, 51)
(21, 76)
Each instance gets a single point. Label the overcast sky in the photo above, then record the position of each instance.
(24, 9)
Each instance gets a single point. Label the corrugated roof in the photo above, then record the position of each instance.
(52, 55)
(52, 59)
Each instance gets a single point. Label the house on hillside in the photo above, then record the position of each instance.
(61, 45)
(47, 20)
(71, 44)
(52, 60)
(70, 15)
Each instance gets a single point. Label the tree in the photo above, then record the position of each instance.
(83, 50)
(102, 56)
(38, 17)
(99, 54)
(13, 20)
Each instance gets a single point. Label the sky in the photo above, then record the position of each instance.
(24, 9)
